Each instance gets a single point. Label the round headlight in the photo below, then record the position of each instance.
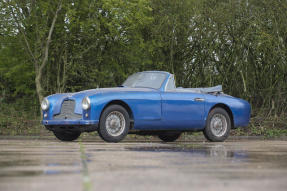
(86, 103)
(45, 104)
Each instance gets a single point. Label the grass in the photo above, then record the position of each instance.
(17, 121)
(87, 184)
(268, 127)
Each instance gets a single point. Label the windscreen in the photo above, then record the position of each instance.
(145, 80)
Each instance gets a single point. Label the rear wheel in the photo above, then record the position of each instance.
(114, 123)
(67, 135)
(218, 125)
(169, 136)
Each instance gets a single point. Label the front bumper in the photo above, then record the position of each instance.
(70, 122)
(71, 125)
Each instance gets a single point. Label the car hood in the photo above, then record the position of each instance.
(56, 100)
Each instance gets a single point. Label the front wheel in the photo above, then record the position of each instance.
(169, 136)
(114, 123)
(218, 125)
(67, 135)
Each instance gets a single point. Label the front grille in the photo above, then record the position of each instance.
(67, 111)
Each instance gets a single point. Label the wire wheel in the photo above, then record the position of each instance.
(218, 125)
(115, 123)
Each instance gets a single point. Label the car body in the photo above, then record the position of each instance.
(155, 107)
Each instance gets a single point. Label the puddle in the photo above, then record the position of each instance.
(18, 166)
(10, 163)
(20, 173)
(26, 162)
(54, 172)
(217, 151)
(261, 157)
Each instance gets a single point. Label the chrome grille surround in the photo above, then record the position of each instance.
(67, 111)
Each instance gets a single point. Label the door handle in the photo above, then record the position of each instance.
(198, 99)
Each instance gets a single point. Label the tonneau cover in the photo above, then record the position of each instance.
(215, 89)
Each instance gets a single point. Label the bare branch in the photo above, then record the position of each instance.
(46, 50)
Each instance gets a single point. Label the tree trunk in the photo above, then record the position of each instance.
(39, 70)
(39, 86)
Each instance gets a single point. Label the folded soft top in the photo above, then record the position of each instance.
(215, 89)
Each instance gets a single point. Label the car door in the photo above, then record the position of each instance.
(182, 109)
(146, 107)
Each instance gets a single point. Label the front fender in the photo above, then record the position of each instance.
(143, 105)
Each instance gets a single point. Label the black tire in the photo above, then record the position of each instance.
(104, 131)
(67, 135)
(169, 136)
(209, 133)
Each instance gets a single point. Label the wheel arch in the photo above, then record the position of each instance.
(227, 109)
(124, 105)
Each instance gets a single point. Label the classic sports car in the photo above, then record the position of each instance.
(147, 103)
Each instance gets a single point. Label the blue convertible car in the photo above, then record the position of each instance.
(147, 103)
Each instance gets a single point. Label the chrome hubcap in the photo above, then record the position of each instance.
(218, 125)
(115, 123)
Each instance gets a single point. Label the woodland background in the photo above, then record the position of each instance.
(71, 45)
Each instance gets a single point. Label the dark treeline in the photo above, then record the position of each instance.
(71, 45)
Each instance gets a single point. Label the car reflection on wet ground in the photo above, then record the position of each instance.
(89, 165)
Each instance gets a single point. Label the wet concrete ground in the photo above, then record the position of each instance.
(89, 165)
